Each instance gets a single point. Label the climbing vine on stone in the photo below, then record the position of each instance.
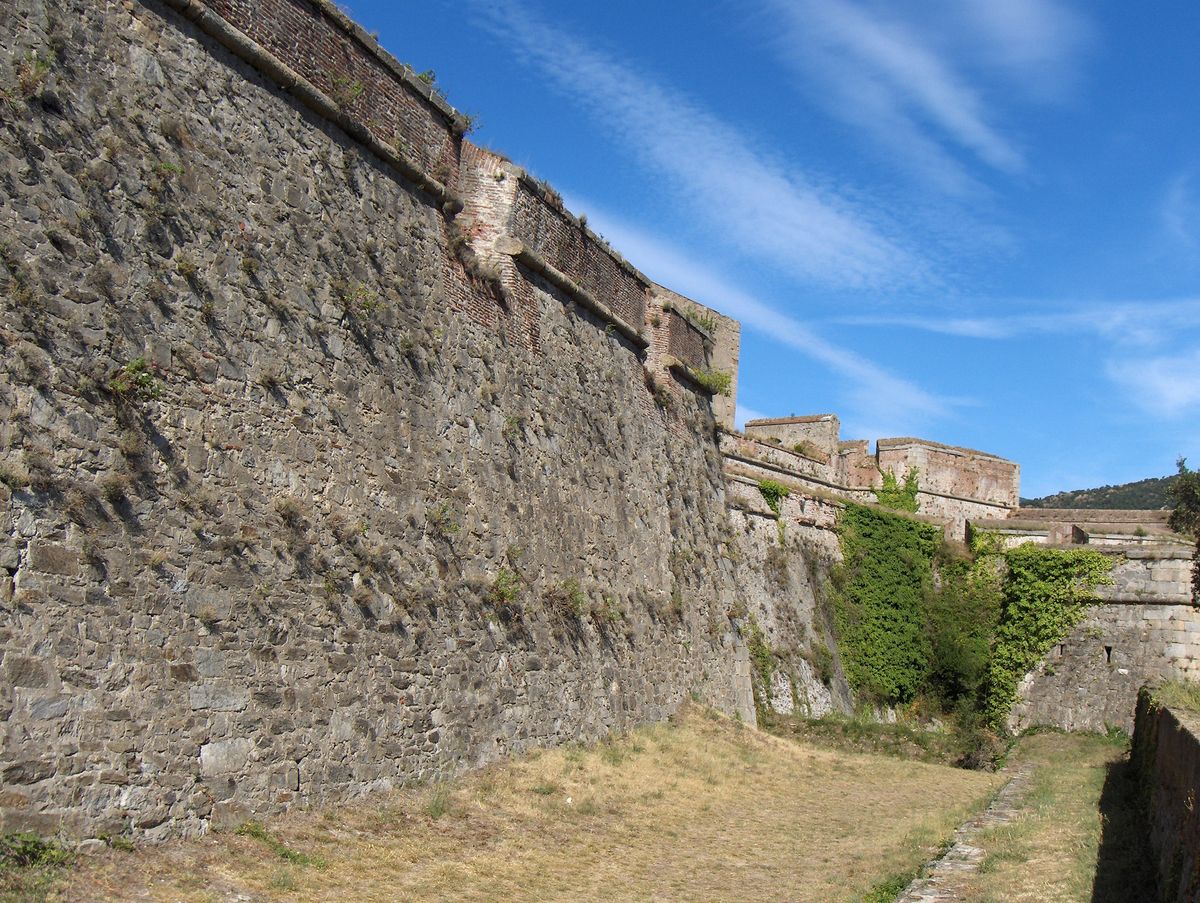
(899, 498)
(1046, 594)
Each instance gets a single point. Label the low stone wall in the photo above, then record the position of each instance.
(1166, 757)
(1090, 680)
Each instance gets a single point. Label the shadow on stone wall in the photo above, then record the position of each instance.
(1124, 863)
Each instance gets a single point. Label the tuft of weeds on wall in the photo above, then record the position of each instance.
(608, 611)
(346, 90)
(514, 428)
(187, 267)
(568, 598)
(505, 591)
(134, 382)
(714, 382)
(899, 498)
(290, 511)
(356, 299)
(773, 494)
(32, 72)
(41, 467)
(439, 519)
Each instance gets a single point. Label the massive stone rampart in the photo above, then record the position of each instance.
(301, 497)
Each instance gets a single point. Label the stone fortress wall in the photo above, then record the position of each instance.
(337, 453)
(331, 455)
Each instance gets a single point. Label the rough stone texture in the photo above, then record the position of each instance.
(1090, 680)
(274, 579)
(782, 575)
(1166, 757)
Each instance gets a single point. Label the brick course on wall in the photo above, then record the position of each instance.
(562, 239)
(321, 45)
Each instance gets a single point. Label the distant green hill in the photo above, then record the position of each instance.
(1144, 494)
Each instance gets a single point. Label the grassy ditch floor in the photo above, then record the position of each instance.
(859, 733)
(1079, 837)
(701, 808)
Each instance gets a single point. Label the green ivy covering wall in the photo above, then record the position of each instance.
(1046, 594)
(917, 618)
(879, 602)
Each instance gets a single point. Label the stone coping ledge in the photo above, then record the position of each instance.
(1172, 552)
(825, 461)
(1083, 516)
(518, 250)
(306, 92)
(801, 485)
(903, 441)
(926, 492)
(783, 421)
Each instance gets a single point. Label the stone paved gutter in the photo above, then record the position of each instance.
(946, 876)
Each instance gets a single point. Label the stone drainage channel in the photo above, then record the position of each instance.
(946, 876)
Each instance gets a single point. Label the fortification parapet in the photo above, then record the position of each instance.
(815, 436)
(951, 471)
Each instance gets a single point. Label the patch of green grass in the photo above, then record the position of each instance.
(439, 802)
(259, 832)
(1177, 694)
(30, 867)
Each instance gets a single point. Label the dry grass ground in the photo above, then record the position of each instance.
(698, 809)
(1079, 838)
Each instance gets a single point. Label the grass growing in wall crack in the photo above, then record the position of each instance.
(773, 493)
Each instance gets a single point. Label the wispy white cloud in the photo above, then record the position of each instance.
(1166, 385)
(768, 210)
(1180, 213)
(874, 398)
(909, 73)
(1125, 323)
(743, 413)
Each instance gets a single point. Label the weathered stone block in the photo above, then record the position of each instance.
(54, 558)
(224, 757)
(219, 695)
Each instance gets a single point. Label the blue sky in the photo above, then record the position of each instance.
(976, 221)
